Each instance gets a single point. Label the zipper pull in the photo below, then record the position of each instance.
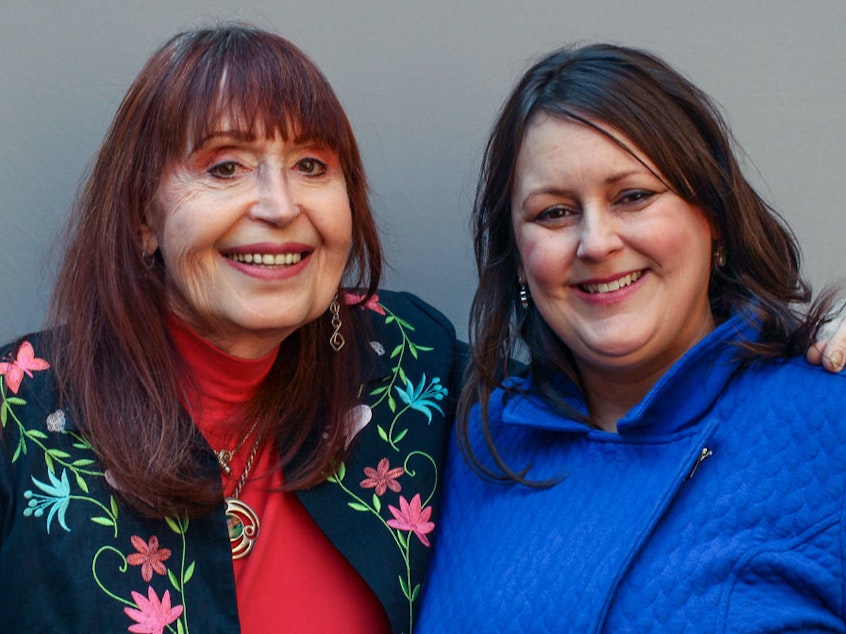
(705, 453)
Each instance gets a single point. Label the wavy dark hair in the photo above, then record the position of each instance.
(614, 88)
(115, 363)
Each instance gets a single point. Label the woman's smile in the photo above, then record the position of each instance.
(617, 264)
(615, 284)
(255, 236)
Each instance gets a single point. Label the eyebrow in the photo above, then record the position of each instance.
(240, 136)
(611, 180)
(243, 136)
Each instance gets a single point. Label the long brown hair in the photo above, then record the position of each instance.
(683, 134)
(114, 360)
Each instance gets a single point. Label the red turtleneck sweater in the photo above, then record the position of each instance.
(294, 580)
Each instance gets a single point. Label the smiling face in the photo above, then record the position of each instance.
(617, 264)
(254, 234)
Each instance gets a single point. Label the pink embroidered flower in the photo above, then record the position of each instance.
(149, 557)
(410, 517)
(372, 303)
(152, 615)
(25, 363)
(382, 478)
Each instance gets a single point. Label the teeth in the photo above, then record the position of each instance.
(614, 285)
(267, 259)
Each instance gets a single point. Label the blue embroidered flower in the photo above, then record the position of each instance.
(420, 398)
(57, 499)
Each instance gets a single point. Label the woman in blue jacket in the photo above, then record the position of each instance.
(668, 462)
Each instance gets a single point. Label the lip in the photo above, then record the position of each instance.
(290, 259)
(602, 291)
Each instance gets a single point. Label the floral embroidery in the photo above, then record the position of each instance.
(57, 499)
(152, 615)
(149, 557)
(382, 477)
(25, 363)
(408, 400)
(420, 398)
(56, 421)
(71, 465)
(412, 517)
(371, 304)
(357, 419)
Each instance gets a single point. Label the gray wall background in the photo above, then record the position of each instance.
(421, 83)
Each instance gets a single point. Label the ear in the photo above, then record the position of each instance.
(147, 232)
(716, 231)
(149, 241)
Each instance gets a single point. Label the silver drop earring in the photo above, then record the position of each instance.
(524, 295)
(719, 256)
(337, 339)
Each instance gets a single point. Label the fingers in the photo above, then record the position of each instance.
(814, 353)
(830, 352)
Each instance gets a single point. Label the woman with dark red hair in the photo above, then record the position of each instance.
(228, 428)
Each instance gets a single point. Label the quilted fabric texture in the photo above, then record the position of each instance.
(628, 541)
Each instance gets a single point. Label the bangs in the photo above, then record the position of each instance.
(258, 84)
(664, 122)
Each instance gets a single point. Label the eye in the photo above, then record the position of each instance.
(635, 197)
(224, 169)
(555, 213)
(311, 166)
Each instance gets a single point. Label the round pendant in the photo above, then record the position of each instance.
(243, 525)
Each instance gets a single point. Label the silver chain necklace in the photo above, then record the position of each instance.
(224, 456)
(242, 521)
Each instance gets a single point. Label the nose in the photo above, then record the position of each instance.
(276, 202)
(599, 236)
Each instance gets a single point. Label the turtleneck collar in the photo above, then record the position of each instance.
(218, 384)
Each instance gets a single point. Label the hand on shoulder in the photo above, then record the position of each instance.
(831, 353)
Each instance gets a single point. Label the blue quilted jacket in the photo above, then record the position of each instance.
(718, 507)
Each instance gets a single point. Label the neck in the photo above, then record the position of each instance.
(613, 388)
(217, 385)
(611, 396)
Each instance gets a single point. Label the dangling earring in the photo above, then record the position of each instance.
(719, 256)
(337, 339)
(148, 258)
(524, 294)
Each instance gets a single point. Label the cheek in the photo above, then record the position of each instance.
(193, 223)
(691, 249)
(545, 257)
(181, 240)
(335, 227)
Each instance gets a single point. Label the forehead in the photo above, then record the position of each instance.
(558, 146)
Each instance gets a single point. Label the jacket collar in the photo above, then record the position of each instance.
(676, 401)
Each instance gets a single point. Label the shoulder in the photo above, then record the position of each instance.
(795, 377)
(788, 398)
(36, 340)
(414, 310)
(25, 367)
(397, 322)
